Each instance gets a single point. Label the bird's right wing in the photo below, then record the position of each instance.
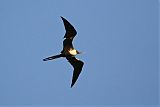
(77, 65)
(70, 30)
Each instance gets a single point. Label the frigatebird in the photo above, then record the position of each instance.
(69, 52)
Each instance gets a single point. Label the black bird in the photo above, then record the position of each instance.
(69, 52)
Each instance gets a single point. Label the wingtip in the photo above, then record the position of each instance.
(62, 17)
(72, 85)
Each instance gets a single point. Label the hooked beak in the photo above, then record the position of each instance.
(79, 52)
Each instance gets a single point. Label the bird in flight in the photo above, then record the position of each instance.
(69, 52)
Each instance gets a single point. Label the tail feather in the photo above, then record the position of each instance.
(53, 57)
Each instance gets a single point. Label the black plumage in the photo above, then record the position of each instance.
(69, 52)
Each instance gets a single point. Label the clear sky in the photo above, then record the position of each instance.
(119, 39)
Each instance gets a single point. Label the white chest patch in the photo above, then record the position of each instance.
(73, 52)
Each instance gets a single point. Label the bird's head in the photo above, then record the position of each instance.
(79, 52)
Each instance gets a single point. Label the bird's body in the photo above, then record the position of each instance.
(69, 52)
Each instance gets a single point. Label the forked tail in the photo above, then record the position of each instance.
(53, 57)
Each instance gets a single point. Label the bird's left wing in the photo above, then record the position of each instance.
(70, 30)
(77, 65)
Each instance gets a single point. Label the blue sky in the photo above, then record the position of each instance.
(119, 39)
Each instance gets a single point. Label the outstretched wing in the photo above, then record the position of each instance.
(77, 65)
(70, 31)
